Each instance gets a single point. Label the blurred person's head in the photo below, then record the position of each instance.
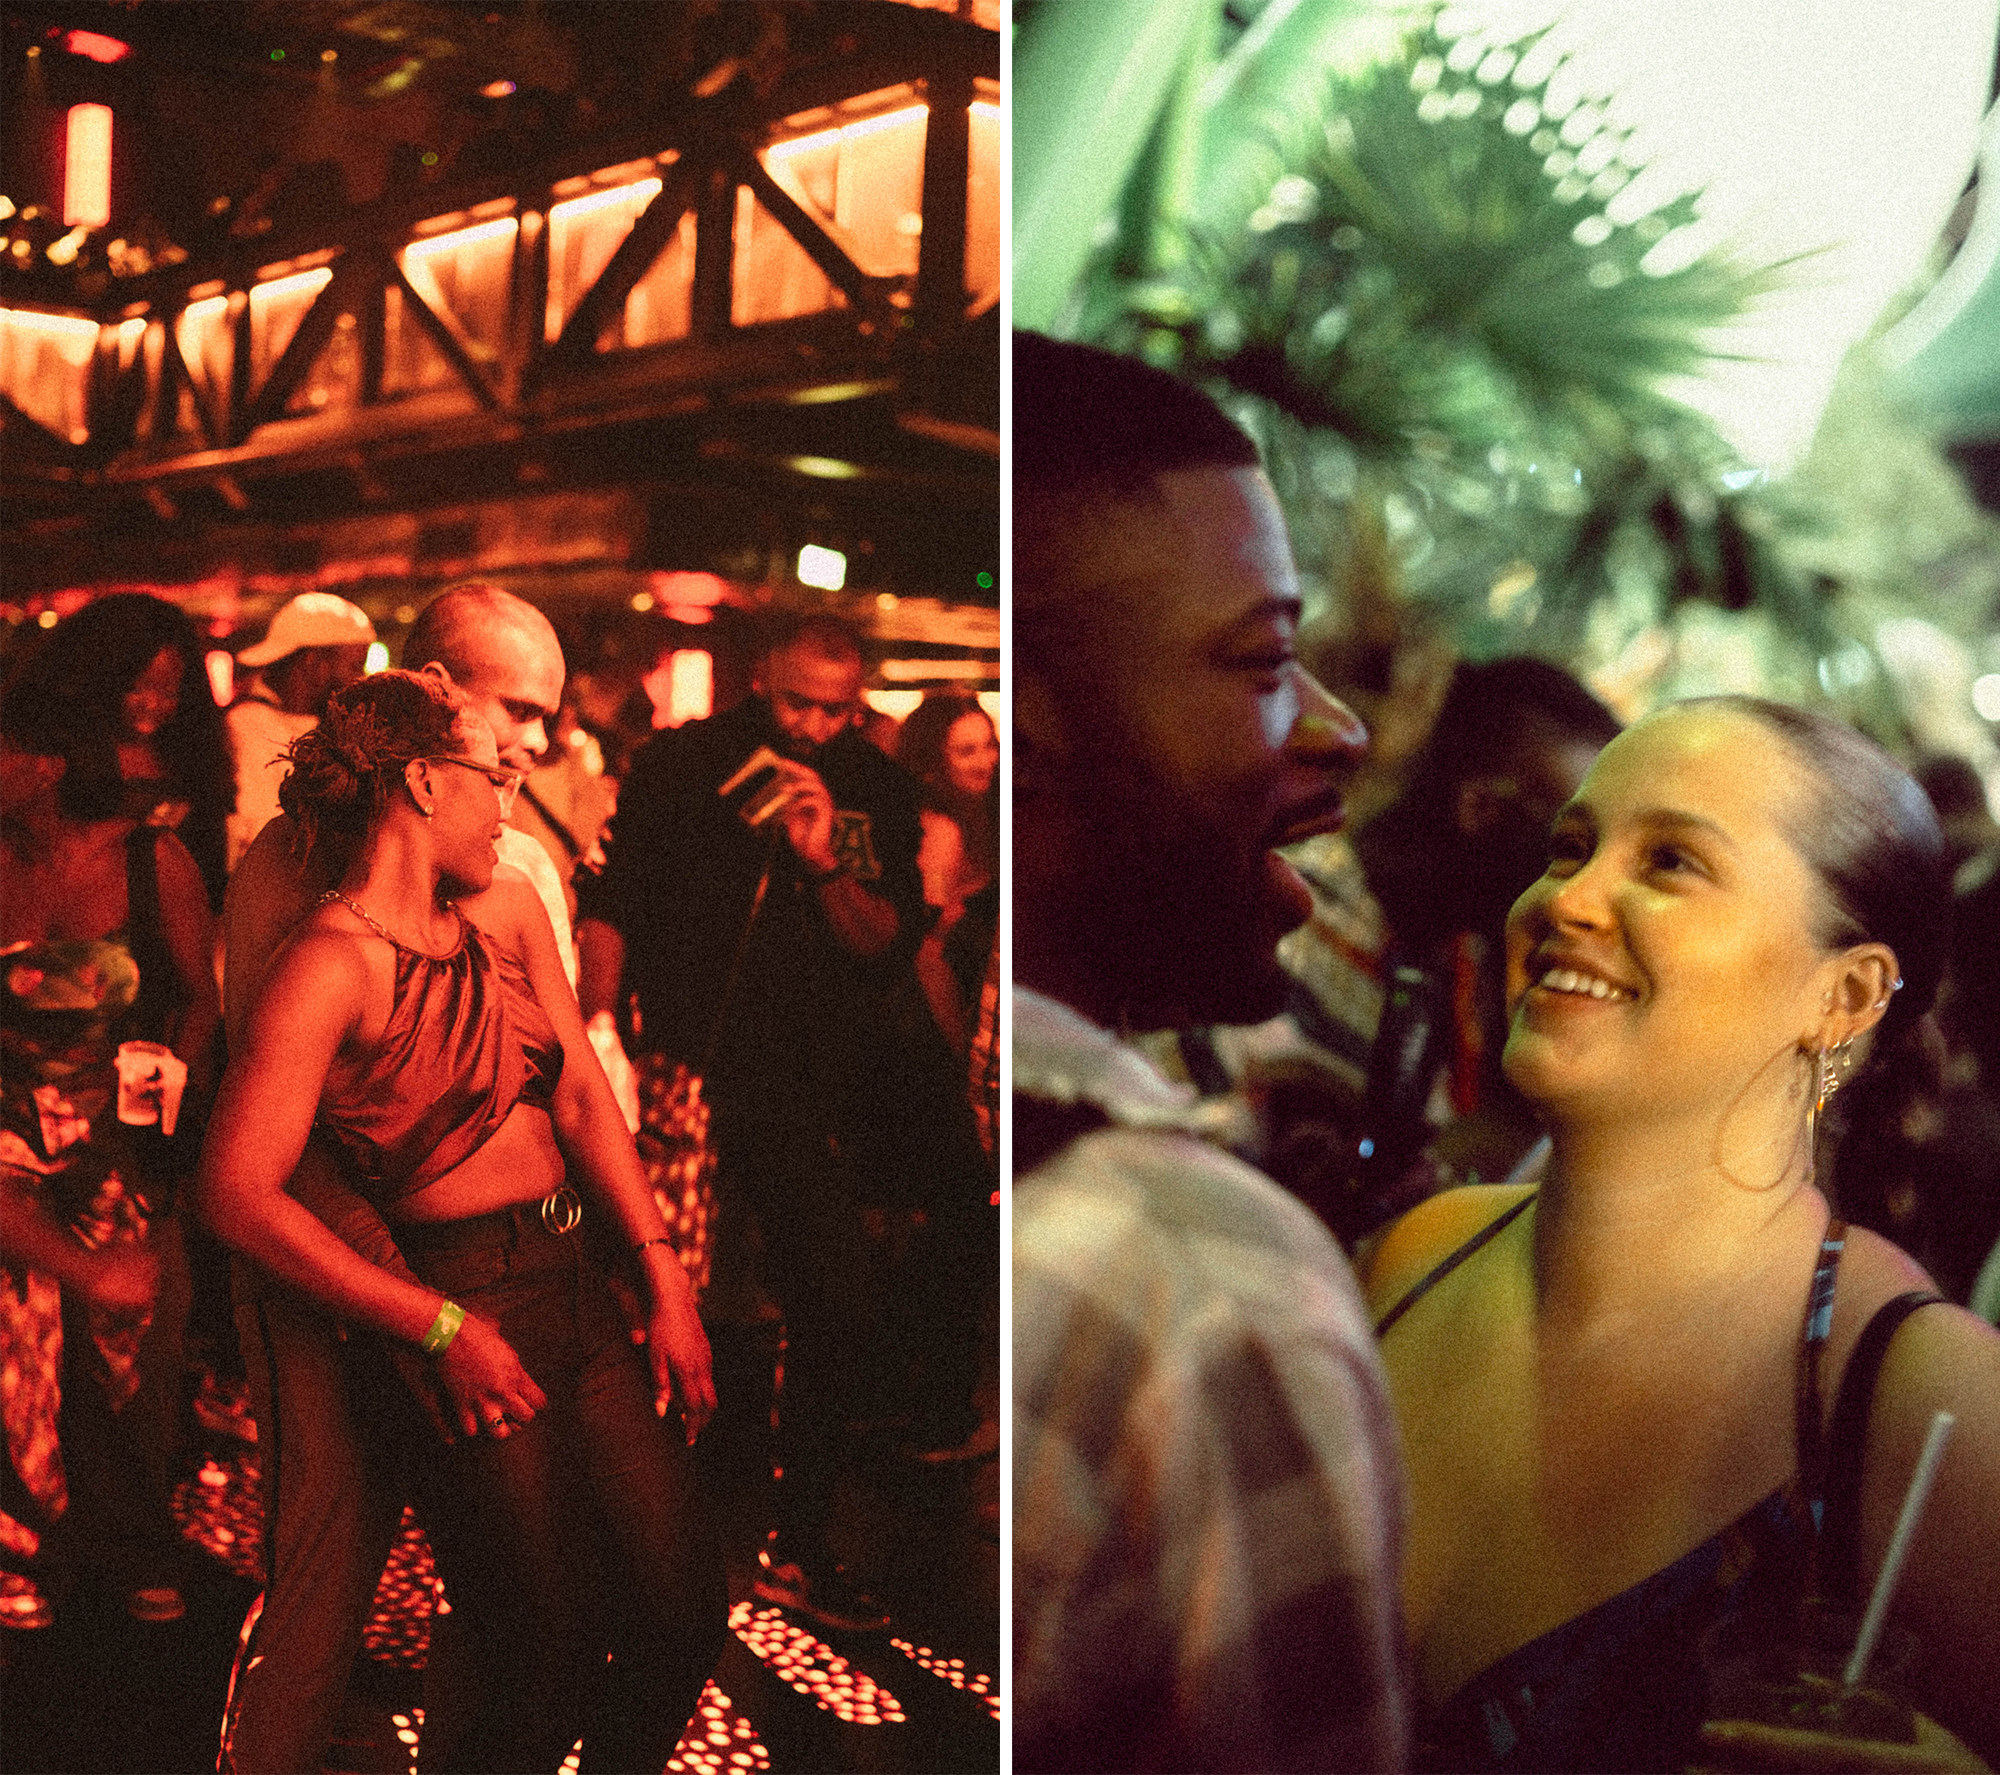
(317, 643)
(503, 656)
(1469, 831)
(127, 670)
(947, 742)
(1165, 737)
(811, 676)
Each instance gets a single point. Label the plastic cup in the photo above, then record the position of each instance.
(151, 1077)
(1756, 1670)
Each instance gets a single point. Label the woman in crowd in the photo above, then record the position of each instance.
(419, 1022)
(948, 743)
(1627, 1394)
(105, 939)
(153, 741)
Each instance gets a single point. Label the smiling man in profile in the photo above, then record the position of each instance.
(1207, 1496)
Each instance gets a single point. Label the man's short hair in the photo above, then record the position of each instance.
(1091, 427)
(458, 629)
(1092, 420)
(827, 637)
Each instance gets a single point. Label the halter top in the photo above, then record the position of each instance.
(1620, 1686)
(466, 1040)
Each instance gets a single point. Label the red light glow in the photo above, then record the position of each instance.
(814, 1669)
(87, 167)
(96, 46)
(953, 1671)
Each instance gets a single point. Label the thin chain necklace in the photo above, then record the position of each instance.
(374, 924)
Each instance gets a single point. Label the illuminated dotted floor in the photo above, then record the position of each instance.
(218, 1510)
(815, 1670)
(953, 1671)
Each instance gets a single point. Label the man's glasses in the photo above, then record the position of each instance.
(506, 783)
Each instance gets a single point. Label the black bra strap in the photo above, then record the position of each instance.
(1484, 1236)
(1847, 1448)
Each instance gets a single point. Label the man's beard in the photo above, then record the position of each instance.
(1179, 915)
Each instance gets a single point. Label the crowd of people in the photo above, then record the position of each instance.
(1465, 1269)
(1619, 1371)
(303, 1051)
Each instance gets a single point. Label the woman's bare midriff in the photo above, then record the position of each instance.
(519, 1164)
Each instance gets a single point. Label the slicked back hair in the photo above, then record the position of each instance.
(1872, 838)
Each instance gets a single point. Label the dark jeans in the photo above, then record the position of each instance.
(580, 1534)
(782, 1156)
(333, 1499)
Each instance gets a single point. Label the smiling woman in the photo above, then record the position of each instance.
(419, 1022)
(1614, 1389)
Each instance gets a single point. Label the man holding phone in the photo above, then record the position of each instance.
(761, 891)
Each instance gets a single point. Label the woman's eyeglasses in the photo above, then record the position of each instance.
(506, 783)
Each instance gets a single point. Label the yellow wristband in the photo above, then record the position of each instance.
(443, 1329)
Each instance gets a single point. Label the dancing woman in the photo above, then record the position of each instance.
(1629, 1396)
(419, 1022)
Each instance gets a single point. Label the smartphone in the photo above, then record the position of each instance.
(755, 790)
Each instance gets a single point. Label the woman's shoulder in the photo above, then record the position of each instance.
(502, 912)
(1416, 1243)
(333, 942)
(1875, 1272)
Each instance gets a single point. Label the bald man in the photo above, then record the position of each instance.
(332, 1498)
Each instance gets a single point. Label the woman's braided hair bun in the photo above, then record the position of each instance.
(345, 769)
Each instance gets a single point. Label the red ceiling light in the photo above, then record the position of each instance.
(95, 45)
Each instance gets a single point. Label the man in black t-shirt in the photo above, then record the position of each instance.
(761, 954)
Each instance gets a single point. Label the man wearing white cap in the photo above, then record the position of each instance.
(317, 644)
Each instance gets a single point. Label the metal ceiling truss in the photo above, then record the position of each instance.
(528, 378)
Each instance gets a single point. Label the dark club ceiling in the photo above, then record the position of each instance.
(375, 294)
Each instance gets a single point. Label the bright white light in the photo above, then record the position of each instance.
(866, 126)
(1986, 696)
(1814, 134)
(298, 284)
(76, 337)
(377, 660)
(691, 687)
(434, 244)
(824, 568)
(87, 167)
(896, 704)
(221, 668)
(639, 193)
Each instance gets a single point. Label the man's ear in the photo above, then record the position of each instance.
(434, 669)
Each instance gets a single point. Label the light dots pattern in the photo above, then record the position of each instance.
(813, 1668)
(718, 1741)
(953, 1671)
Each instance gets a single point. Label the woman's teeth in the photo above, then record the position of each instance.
(1569, 980)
